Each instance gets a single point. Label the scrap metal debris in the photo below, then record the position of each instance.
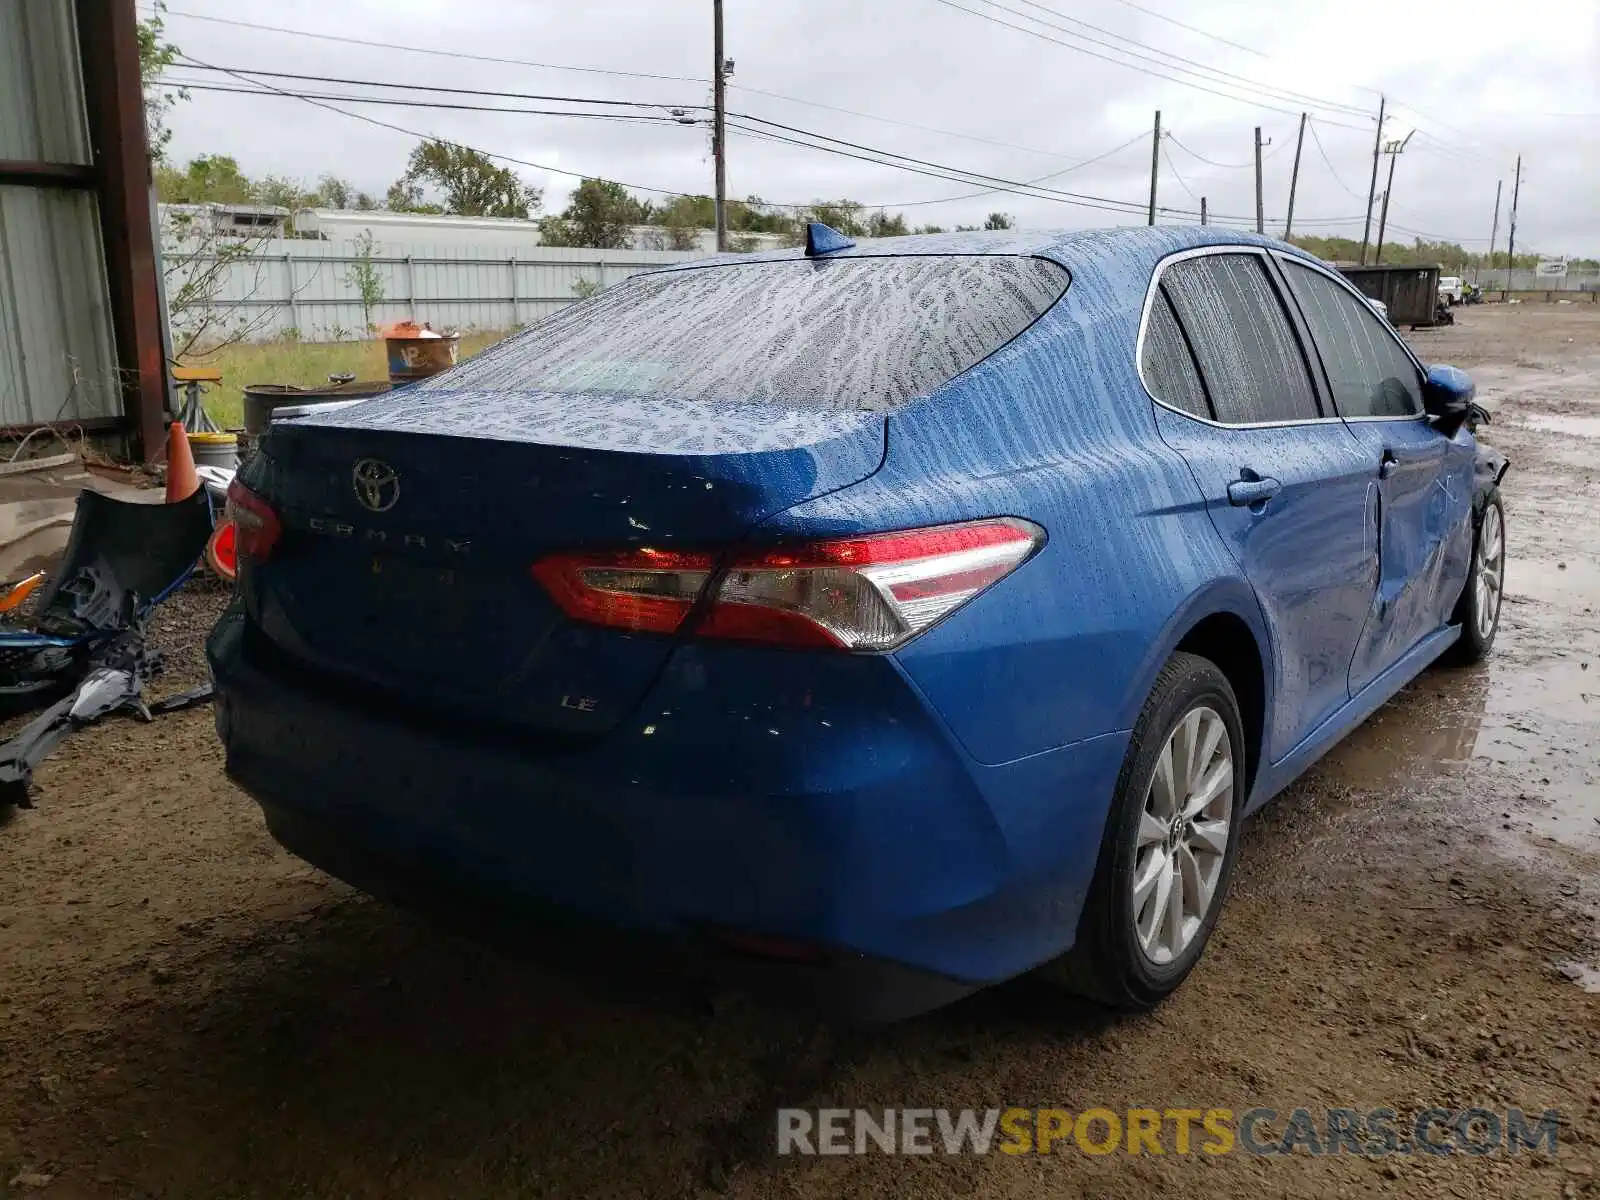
(88, 637)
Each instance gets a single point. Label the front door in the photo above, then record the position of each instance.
(1424, 479)
(1289, 490)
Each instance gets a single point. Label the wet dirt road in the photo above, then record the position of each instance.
(186, 1011)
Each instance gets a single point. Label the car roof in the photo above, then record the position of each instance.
(1117, 256)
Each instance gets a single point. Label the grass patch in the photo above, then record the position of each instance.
(303, 364)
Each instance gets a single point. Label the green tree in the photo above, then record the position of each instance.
(1448, 256)
(881, 224)
(843, 215)
(750, 215)
(600, 214)
(334, 192)
(156, 55)
(364, 277)
(406, 196)
(471, 184)
(208, 179)
(930, 229)
(999, 220)
(281, 193)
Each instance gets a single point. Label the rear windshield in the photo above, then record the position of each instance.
(840, 335)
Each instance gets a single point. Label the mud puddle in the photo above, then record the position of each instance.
(1584, 427)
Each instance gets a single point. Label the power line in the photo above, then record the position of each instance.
(936, 171)
(1247, 100)
(1136, 138)
(1312, 125)
(625, 118)
(1171, 167)
(978, 176)
(1244, 166)
(851, 112)
(1190, 63)
(261, 88)
(457, 54)
(829, 145)
(434, 50)
(521, 162)
(428, 87)
(1150, 12)
(889, 158)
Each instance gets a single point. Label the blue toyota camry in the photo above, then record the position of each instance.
(895, 618)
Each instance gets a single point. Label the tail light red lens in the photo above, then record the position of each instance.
(863, 593)
(256, 527)
(643, 590)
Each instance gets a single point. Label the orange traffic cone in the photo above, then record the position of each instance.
(182, 481)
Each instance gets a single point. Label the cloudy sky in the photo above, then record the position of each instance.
(1011, 89)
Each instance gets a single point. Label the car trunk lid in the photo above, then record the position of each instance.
(410, 525)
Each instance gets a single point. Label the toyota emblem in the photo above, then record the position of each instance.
(377, 484)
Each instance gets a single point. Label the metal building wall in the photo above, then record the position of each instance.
(57, 357)
(308, 287)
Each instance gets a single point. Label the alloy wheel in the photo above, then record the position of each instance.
(1489, 578)
(1183, 834)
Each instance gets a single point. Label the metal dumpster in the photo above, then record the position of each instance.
(1411, 293)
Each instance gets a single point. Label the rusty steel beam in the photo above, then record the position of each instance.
(45, 174)
(108, 46)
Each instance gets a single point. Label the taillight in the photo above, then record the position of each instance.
(256, 526)
(645, 590)
(863, 593)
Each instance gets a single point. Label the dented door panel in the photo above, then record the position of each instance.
(1424, 535)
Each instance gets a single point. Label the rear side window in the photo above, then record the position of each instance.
(832, 335)
(1247, 350)
(1369, 372)
(1169, 370)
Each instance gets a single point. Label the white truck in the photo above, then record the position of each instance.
(1450, 290)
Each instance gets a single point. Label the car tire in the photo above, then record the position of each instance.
(1478, 609)
(1121, 957)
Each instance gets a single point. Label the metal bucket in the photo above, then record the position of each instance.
(214, 450)
(260, 399)
(412, 358)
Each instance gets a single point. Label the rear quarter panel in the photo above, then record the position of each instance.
(1057, 428)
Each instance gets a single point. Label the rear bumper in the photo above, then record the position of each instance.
(819, 980)
(775, 795)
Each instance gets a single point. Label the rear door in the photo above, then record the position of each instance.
(1424, 478)
(1287, 485)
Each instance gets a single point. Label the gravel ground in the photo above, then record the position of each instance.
(187, 1011)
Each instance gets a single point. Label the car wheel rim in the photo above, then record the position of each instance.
(1490, 575)
(1183, 835)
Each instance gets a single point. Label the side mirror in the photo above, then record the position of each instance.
(1447, 396)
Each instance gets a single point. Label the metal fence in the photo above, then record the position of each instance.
(312, 290)
(1525, 280)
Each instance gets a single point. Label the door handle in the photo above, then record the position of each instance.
(1253, 491)
(1387, 464)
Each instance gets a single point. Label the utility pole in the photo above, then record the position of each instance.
(1383, 218)
(1511, 248)
(1494, 230)
(1260, 224)
(1155, 166)
(1372, 188)
(1203, 220)
(1294, 178)
(719, 129)
(1393, 150)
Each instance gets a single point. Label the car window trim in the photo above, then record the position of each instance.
(1260, 252)
(1188, 350)
(1340, 281)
